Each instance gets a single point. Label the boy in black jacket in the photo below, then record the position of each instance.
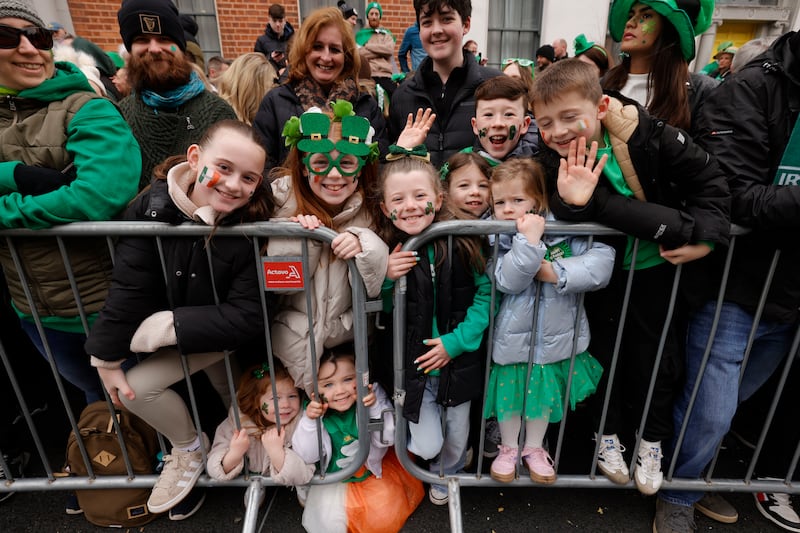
(618, 166)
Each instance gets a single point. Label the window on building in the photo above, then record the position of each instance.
(514, 29)
(205, 14)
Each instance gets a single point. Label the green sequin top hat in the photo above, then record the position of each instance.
(309, 132)
(689, 17)
(582, 44)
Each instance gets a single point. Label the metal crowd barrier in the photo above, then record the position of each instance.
(592, 478)
(53, 479)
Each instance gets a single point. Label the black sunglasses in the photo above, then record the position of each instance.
(41, 38)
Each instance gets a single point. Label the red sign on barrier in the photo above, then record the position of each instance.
(282, 275)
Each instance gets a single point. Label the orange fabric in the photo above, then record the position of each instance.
(383, 505)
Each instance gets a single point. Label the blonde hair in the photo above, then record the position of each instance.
(245, 83)
(529, 172)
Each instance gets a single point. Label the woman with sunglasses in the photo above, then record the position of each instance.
(66, 155)
(332, 161)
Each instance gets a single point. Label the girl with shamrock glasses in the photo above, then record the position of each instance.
(332, 158)
(268, 412)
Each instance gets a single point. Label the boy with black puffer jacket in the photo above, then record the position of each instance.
(445, 81)
(617, 166)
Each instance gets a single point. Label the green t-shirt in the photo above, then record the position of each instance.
(648, 255)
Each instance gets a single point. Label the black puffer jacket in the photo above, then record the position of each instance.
(452, 131)
(687, 198)
(138, 289)
(269, 41)
(281, 104)
(747, 125)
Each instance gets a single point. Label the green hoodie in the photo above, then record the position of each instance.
(97, 141)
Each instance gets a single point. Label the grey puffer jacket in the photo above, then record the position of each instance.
(587, 269)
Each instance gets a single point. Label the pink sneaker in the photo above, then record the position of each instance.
(540, 465)
(504, 466)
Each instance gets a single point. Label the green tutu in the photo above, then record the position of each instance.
(546, 388)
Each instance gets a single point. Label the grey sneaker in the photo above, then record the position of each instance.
(672, 518)
(181, 472)
(714, 506)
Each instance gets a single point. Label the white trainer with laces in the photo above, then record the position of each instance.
(180, 473)
(648, 475)
(777, 508)
(610, 460)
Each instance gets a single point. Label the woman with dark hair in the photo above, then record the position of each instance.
(324, 68)
(657, 42)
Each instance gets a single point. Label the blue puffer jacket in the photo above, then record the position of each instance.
(588, 268)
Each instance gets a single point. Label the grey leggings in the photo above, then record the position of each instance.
(160, 406)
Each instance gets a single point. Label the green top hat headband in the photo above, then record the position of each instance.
(582, 44)
(309, 132)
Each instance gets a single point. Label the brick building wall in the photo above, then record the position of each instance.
(240, 21)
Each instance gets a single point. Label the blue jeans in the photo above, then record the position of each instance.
(426, 438)
(70, 358)
(720, 392)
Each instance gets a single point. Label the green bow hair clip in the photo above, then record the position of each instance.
(259, 373)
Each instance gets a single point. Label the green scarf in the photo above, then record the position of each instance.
(365, 34)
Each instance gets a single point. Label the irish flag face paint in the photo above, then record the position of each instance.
(210, 181)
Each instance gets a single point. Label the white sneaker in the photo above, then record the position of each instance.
(777, 508)
(610, 460)
(648, 475)
(180, 473)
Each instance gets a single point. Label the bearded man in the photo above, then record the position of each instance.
(169, 108)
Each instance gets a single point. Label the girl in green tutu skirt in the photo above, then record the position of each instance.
(542, 276)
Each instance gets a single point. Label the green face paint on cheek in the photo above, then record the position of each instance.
(648, 27)
(512, 132)
(482, 132)
(429, 208)
(265, 408)
(393, 215)
(173, 48)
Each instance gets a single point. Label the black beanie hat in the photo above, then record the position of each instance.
(547, 52)
(150, 17)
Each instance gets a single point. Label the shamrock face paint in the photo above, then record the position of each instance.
(641, 30)
(410, 200)
(288, 401)
(173, 49)
(499, 123)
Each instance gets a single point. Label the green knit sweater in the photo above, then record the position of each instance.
(166, 132)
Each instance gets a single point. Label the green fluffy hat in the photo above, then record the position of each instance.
(688, 17)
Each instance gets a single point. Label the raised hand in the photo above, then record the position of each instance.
(579, 173)
(417, 128)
